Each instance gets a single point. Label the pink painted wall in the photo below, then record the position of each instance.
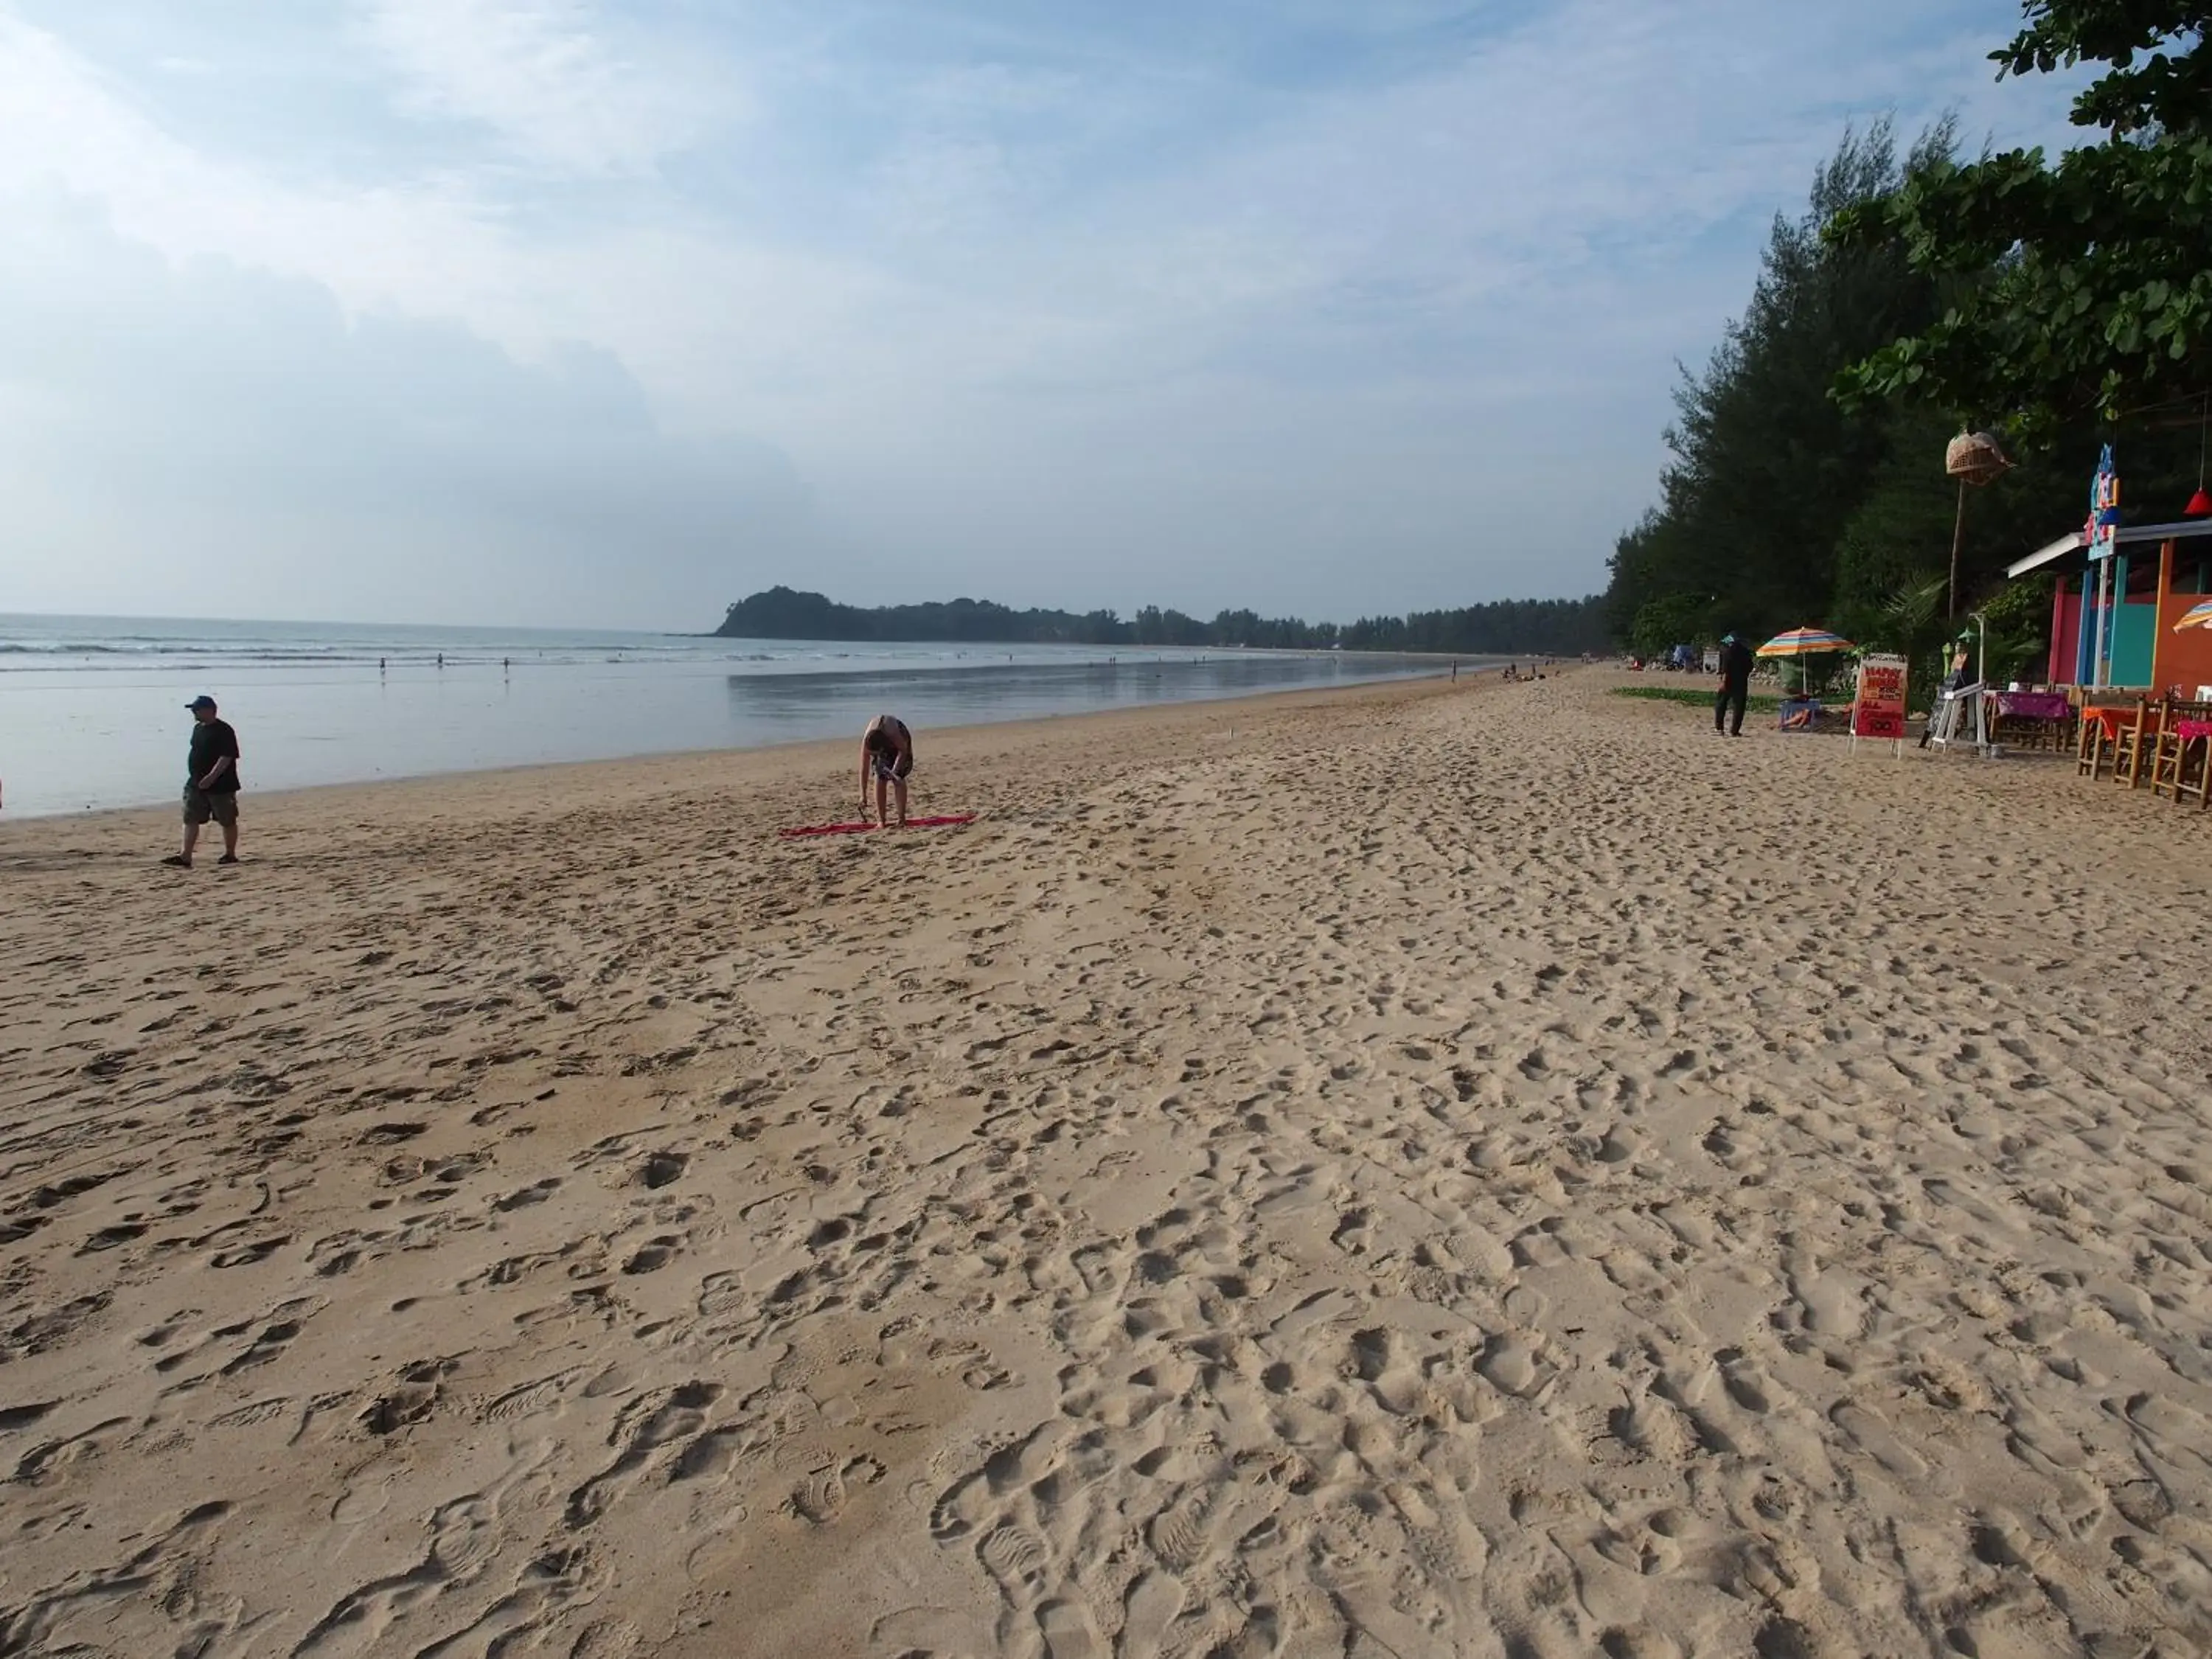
(2065, 632)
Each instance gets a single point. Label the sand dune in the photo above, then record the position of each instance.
(1426, 1171)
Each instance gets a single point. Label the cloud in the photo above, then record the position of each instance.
(430, 241)
(206, 439)
(1328, 306)
(547, 77)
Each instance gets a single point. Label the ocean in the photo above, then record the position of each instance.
(92, 708)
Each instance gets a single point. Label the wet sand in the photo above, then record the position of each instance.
(1487, 1170)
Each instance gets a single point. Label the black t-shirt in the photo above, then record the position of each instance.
(211, 741)
(1735, 663)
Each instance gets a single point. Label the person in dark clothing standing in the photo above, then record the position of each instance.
(1735, 685)
(210, 783)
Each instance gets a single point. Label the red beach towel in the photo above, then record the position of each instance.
(861, 829)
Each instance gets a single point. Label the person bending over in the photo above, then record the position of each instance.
(887, 751)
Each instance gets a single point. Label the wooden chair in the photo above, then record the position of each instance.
(2137, 741)
(2026, 731)
(2178, 769)
(2094, 748)
(2195, 783)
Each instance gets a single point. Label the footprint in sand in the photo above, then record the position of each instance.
(108, 1238)
(527, 1400)
(653, 1256)
(410, 1400)
(821, 1498)
(1015, 1557)
(243, 1255)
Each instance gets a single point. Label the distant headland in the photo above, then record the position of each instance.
(1503, 627)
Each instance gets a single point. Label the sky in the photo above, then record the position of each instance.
(570, 312)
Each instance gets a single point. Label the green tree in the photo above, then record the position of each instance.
(1902, 525)
(1676, 620)
(1910, 622)
(2018, 619)
(2071, 290)
(1507, 626)
(1767, 467)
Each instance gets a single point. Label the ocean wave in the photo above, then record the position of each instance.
(56, 647)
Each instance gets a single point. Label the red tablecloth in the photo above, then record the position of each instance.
(2114, 720)
(2189, 731)
(2033, 705)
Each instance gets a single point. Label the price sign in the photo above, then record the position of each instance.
(1878, 708)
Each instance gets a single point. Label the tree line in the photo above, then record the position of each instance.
(1503, 627)
(1918, 294)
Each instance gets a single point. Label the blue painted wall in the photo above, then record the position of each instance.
(2135, 635)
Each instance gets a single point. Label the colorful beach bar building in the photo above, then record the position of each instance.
(2159, 571)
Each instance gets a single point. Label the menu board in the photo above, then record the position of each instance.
(1878, 707)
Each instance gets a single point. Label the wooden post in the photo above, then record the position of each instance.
(2108, 636)
(1958, 537)
(2158, 629)
(2053, 674)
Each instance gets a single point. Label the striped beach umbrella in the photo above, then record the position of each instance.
(1801, 643)
(1804, 642)
(2197, 616)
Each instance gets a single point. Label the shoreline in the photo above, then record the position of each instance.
(757, 756)
(87, 744)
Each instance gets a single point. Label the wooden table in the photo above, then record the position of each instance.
(2191, 733)
(2038, 720)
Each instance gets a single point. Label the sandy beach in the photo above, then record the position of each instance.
(1424, 1169)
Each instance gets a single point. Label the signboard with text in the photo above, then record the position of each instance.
(1878, 708)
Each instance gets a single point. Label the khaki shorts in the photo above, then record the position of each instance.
(201, 805)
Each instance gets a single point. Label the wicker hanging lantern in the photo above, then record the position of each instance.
(1975, 457)
(1971, 458)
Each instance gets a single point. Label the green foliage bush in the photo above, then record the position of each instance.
(1506, 628)
(2067, 305)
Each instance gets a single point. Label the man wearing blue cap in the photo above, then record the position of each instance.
(210, 783)
(1735, 685)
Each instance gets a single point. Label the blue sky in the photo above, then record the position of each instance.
(566, 311)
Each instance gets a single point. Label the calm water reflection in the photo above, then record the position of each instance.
(797, 706)
(92, 710)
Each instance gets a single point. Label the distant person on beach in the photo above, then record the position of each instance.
(1736, 686)
(210, 783)
(887, 751)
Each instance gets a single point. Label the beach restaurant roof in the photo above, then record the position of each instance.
(2074, 541)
